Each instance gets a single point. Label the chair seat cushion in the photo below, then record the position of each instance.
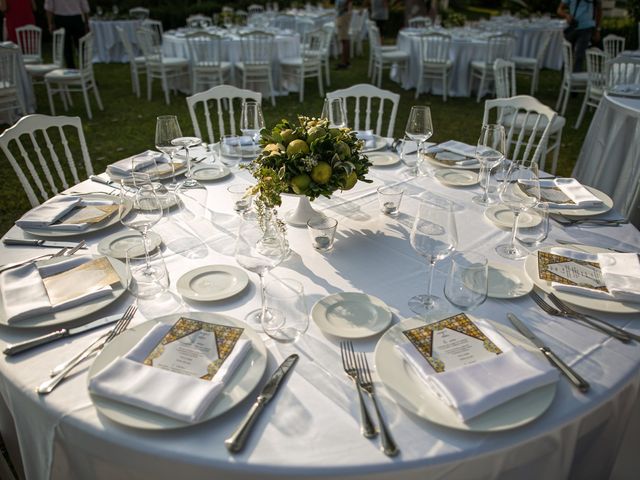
(175, 61)
(557, 124)
(224, 66)
(525, 62)
(139, 60)
(437, 65)
(479, 65)
(395, 55)
(41, 68)
(62, 74)
(253, 66)
(579, 78)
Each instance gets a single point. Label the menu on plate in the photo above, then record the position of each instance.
(569, 271)
(194, 348)
(87, 214)
(549, 194)
(452, 343)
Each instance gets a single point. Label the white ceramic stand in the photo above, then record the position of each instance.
(303, 212)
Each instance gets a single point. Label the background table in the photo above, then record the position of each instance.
(107, 47)
(311, 429)
(25, 87)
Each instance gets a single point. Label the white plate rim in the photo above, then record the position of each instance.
(587, 212)
(380, 143)
(395, 158)
(225, 172)
(241, 384)
(528, 284)
(154, 241)
(441, 172)
(393, 370)
(182, 284)
(490, 214)
(350, 332)
(431, 159)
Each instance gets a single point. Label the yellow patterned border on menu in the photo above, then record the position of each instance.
(545, 259)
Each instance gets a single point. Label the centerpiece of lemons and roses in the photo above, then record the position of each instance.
(310, 159)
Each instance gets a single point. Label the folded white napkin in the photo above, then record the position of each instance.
(175, 395)
(242, 140)
(368, 137)
(620, 274)
(24, 294)
(573, 189)
(49, 212)
(459, 147)
(477, 388)
(143, 160)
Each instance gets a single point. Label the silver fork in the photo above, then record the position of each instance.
(366, 382)
(48, 386)
(73, 250)
(11, 266)
(620, 335)
(349, 365)
(570, 311)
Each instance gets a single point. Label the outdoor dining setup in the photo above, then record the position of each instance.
(339, 292)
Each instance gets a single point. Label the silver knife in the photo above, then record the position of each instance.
(103, 181)
(566, 370)
(237, 440)
(62, 333)
(34, 242)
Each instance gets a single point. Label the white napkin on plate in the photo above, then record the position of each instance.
(620, 274)
(458, 147)
(24, 294)
(175, 395)
(143, 160)
(368, 137)
(49, 212)
(573, 189)
(241, 140)
(474, 389)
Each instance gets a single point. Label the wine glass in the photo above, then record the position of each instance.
(167, 130)
(434, 236)
(335, 111)
(408, 159)
(467, 282)
(251, 120)
(520, 191)
(186, 142)
(259, 249)
(490, 152)
(419, 126)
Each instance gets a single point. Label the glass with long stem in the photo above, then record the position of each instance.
(490, 151)
(251, 120)
(260, 248)
(434, 236)
(520, 191)
(186, 142)
(419, 127)
(167, 130)
(335, 111)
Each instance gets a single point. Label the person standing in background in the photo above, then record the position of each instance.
(583, 19)
(343, 22)
(380, 13)
(73, 16)
(17, 13)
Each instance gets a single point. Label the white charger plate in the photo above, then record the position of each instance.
(580, 301)
(71, 315)
(351, 315)
(208, 173)
(117, 245)
(507, 282)
(404, 385)
(586, 212)
(378, 144)
(212, 282)
(502, 216)
(456, 178)
(383, 159)
(236, 389)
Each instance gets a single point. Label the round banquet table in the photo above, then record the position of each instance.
(107, 47)
(610, 156)
(25, 86)
(311, 429)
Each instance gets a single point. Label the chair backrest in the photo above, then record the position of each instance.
(622, 71)
(567, 59)
(45, 155)
(313, 43)
(329, 30)
(304, 26)
(595, 67)
(154, 26)
(221, 98)
(8, 70)
(374, 38)
(139, 13)
(58, 46)
(499, 46)
(504, 74)
(372, 96)
(85, 55)
(30, 40)
(151, 52)
(126, 43)
(434, 47)
(613, 45)
(420, 22)
(255, 8)
(356, 28)
(257, 48)
(198, 21)
(285, 21)
(205, 49)
(528, 128)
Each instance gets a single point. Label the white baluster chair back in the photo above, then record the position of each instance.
(613, 45)
(254, 9)
(530, 66)
(383, 57)
(39, 70)
(308, 64)
(139, 13)
(154, 26)
(208, 65)
(357, 30)
(595, 59)
(10, 100)
(420, 22)
(435, 61)
(136, 63)
(571, 81)
(504, 73)
(622, 71)
(30, 42)
(258, 50)
(498, 46)
(285, 21)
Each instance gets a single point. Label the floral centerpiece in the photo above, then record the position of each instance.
(308, 160)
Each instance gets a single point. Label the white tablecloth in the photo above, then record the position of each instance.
(25, 89)
(610, 156)
(107, 47)
(311, 429)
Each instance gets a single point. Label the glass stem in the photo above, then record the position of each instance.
(188, 175)
(431, 269)
(485, 171)
(145, 244)
(419, 158)
(263, 303)
(512, 242)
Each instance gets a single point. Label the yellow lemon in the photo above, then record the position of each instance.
(300, 183)
(321, 173)
(297, 146)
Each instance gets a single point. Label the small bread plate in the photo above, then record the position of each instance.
(209, 173)
(378, 144)
(502, 216)
(456, 177)
(383, 159)
(507, 282)
(212, 282)
(351, 315)
(116, 245)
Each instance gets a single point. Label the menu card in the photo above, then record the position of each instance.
(87, 214)
(194, 348)
(452, 343)
(569, 271)
(549, 193)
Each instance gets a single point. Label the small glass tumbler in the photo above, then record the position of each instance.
(322, 232)
(467, 283)
(147, 275)
(389, 198)
(536, 234)
(286, 317)
(240, 196)
(230, 150)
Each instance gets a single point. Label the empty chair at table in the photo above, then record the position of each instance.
(328, 30)
(285, 21)
(221, 107)
(154, 26)
(198, 21)
(136, 63)
(622, 70)
(434, 62)
(357, 31)
(10, 99)
(30, 42)
(63, 80)
(369, 108)
(530, 66)
(255, 65)
(39, 70)
(48, 154)
(139, 13)
(254, 9)
(572, 82)
(613, 45)
(384, 58)
(498, 46)
(420, 22)
(595, 81)
(208, 67)
(308, 64)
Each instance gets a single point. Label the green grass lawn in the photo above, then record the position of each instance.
(127, 124)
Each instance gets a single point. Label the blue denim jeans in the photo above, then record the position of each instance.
(580, 39)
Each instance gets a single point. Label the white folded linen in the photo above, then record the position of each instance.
(24, 294)
(241, 140)
(368, 137)
(142, 160)
(620, 274)
(49, 212)
(474, 389)
(175, 395)
(572, 189)
(458, 147)
(456, 158)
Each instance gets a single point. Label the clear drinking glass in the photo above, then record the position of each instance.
(533, 235)
(389, 198)
(490, 151)
(147, 275)
(407, 157)
(167, 130)
(335, 111)
(467, 284)
(322, 231)
(186, 142)
(434, 236)
(240, 196)
(419, 126)
(251, 120)
(286, 317)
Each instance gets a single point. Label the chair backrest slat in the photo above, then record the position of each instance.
(504, 74)
(30, 40)
(58, 46)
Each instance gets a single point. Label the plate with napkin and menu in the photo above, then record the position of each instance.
(453, 154)
(156, 164)
(567, 196)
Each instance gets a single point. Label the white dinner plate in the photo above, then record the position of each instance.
(116, 245)
(351, 315)
(580, 301)
(71, 315)
(212, 282)
(163, 172)
(456, 177)
(507, 282)
(208, 173)
(502, 216)
(586, 212)
(404, 385)
(107, 222)
(241, 384)
(444, 163)
(383, 159)
(378, 144)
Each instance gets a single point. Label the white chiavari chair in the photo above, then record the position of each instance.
(435, 63)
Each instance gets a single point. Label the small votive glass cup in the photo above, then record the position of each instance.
(389, 198)
(241, 197)
(536, 234)
(230, 150)
(322, 232)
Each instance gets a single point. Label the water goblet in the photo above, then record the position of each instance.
(147, 275)
(186, 142)
(467, 283)
(335, 111)
(490, 151)
(535, 234)
(419, 126)
(167, 130)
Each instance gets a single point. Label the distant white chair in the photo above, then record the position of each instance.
(308, 64)
(39, 70)
(527, 138)
(208, 68)
(254, 9)
(257, 55)
(139, 13)
(154, 26)
(613, 46)
(241, 17)
(384, 58)
(304, 26)
(622, 70)
(198, 21)
(420, 22)
(504, 75)
(384, 48)
(571, 81)
(434, 61)
(30, 43)
(285, 21)
(63, 80)
(357, 31)
(328, 30)
(530, 66)
(498, 46)
(596, 59)
(60, 163)
(219, 99)
(136, 64)
(369, 97)
(10, 100)
(167, 69)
